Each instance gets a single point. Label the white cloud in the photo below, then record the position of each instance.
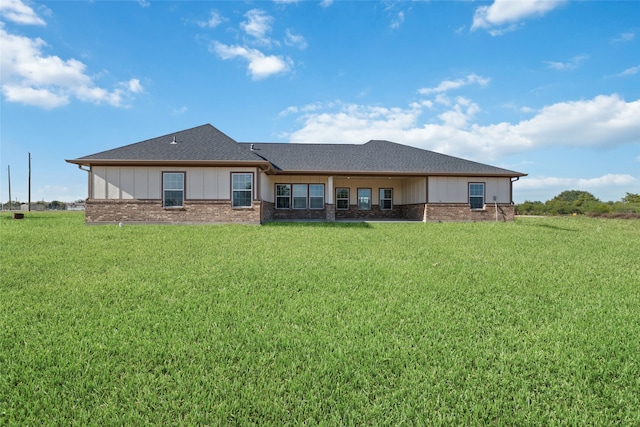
(295, 40)
(624, 37)
(38, 97)
(569, 65)
(630, 71)
(260, 65)
(604, 121)
(134, 86)
(30, 77)
(606, 187)
(326, 3)
(214, 20)
(180, 110)
(258, 25)
(506, 15)
(397, 21)
(18, 12)
(447, 85)
(579, 183)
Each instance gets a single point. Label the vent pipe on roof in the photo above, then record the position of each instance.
(251, 147)
(174, 142)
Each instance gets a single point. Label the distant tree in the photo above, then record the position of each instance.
(530, 208)
(575, 196)
(631, 198)
(580, 202)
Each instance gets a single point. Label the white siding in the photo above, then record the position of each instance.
(120, 182)
(456, 189)
(414, 191)
(195, 183)
(113, 182)
(99, 182)
(127, 183)
(267, 187)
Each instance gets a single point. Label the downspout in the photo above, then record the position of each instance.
(90, 190)
(517, 178)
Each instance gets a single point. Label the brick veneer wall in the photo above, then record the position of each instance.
(269, 212)
(151, 211)
(461, 212)
(399, 212)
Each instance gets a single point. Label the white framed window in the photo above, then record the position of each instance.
(299, 196)
(342, 198)
(386, 199)
(241, 190)
(476, 195)
(283, 196)
(172, 189)
(364, 199)
(316, 196)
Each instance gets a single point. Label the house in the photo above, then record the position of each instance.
(201, 175)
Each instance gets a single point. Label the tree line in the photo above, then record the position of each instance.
(582, 203)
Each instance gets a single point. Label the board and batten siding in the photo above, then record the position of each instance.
(443, 189)
(145, 183)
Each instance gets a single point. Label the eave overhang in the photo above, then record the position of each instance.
(395, 173)
(264, 165)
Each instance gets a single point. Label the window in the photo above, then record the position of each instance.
(299, 196)
(172, 189)
(241, 189)
(386, 198)
(316, 196)
(283, 196)
(476, 195)
(364, 199)
(342, 198)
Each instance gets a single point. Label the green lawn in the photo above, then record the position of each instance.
(535, 322)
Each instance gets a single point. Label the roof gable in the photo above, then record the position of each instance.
(196, 144)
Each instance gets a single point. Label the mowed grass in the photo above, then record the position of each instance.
(535, 322)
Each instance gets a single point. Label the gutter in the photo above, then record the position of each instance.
(264, 165)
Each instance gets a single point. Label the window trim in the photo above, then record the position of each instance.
(184, 189)
(370, 196)
(283, 197)
(233, 190)
(390, 199)
(342, 198)
(316, 197)
(483, 197)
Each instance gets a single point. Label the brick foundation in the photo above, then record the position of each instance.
(220, 211)
(151, 211)
(399, 212)
(271, 213)
(461, 212)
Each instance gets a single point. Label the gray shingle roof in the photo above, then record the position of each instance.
(372, 157)
(200, 143)
(207, 144)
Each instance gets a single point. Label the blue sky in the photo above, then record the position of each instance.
(548, 88)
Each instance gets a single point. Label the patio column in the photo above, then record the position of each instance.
(330, 206)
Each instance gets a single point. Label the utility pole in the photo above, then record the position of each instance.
(29, 181)
(9, 173)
